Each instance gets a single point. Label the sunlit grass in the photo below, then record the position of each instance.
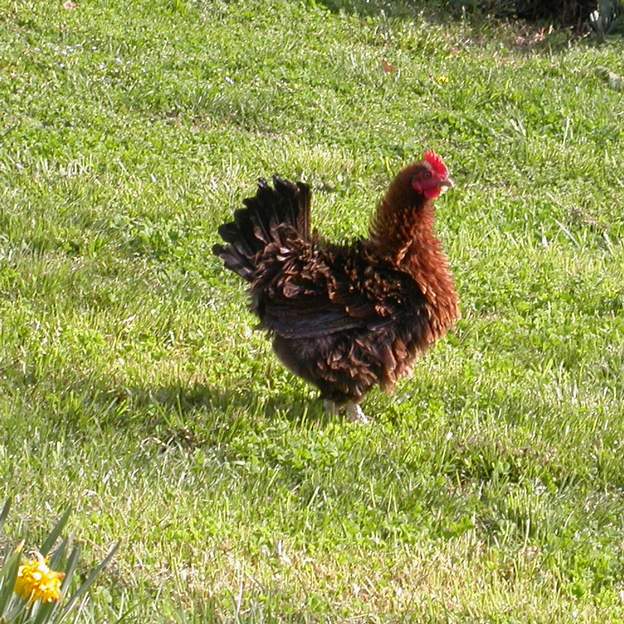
(133, 387)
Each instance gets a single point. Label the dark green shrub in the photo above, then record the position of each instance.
(566, 12)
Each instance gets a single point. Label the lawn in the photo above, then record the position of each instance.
(490, 487)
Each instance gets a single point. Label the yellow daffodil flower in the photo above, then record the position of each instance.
(36, 581)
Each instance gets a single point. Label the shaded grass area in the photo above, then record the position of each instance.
(133, 386)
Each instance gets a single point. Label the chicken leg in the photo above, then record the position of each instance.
(353, 411)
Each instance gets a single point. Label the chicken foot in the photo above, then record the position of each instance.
(353, 411)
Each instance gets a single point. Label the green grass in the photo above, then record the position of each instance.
(491, 486)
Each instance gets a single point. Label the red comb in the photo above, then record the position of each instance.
(437, 164)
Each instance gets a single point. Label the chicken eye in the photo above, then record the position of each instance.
(426, 175)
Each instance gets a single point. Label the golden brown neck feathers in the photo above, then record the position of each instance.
(402, 232)
(402, 218)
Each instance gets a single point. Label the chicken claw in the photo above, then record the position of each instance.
(352, 411)
(355, 414)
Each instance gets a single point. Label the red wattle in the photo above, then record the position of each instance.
(432, 193)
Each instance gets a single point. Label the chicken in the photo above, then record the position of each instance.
(346, 317)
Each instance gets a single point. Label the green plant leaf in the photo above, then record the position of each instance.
(18, 613)
(9, 574)
(5, 511)
(45, 613)
(70, 569)
(58, 556)
(55, 532)
(89, 581)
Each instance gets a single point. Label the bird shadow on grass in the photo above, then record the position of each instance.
(185, 414)
(191, 411)
(200, 416)
(186, 398)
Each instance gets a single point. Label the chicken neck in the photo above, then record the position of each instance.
(403, 233)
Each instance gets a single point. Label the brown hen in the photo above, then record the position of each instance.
(346, 317)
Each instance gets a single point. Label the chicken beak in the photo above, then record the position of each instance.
(446, 184)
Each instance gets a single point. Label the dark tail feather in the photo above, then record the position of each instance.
(258, 224)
